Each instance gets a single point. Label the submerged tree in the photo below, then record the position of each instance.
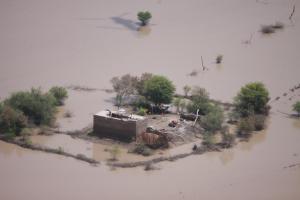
(144, 17)
(296, 107)
(252, 99)
(60, 94)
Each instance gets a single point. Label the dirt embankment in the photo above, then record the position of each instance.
(200, 150)
(28, 145)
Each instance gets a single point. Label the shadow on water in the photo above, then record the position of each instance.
(127, 23)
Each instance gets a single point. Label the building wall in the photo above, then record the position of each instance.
(118, 128)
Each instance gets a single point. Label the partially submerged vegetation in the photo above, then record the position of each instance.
(268, 29)
(251, 108)
(29, 109)
(147, 95)
(144, 17)
(296, 108)
(219, 59)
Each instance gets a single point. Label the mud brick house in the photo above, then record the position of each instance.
(120, 126)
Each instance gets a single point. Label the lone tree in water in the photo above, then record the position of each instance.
(252, 99)
(159, 90)
(144, 17)
(296, 107)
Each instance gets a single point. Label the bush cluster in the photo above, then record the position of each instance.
(252, 99)
(213, 121)
(39, 107)
(60, 94)
(200, 100)
(12, 121)
(29, 107)
(250, 106)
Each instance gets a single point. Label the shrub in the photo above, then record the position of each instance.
(296, 107)
(144, 17)
(12, 121)
(219, 59)
(245, 126)
(267, 29)
(142, 149)
(142, 111)
(37, 106)
(60, 94)
(208, 139)
(228, 140)
(278, 25)
(252, 99)
(159, 90)
(233, 117)
(200, 100)
(213, 121)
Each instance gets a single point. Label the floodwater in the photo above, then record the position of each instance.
(45, 43)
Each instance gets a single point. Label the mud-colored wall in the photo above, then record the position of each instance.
(118, 128)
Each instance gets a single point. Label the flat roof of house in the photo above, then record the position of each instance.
(105, 113)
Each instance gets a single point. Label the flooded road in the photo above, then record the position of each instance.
(45, 43)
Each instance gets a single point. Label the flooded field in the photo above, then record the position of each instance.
(46, 43)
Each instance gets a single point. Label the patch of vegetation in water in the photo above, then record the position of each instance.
(29, 108)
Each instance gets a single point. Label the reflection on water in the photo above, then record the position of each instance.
(144, 31)
(7, 150)
(257, 138)
(219, 67)
(127, 23)
(296, 123)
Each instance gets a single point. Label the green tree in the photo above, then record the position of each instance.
(144, 17)
(60, 94)
(36, 105)
(159, 90)
(12, 121)
(296, 107)
(213, 121)
(200, 100)
(252, 99)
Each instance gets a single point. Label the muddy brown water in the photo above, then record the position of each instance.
(45, 43)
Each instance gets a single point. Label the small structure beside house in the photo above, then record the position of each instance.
(116, 124)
